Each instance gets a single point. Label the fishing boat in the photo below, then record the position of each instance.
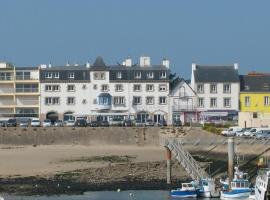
(187, 190)
(207, 188)
(239, 187)
(262, 185)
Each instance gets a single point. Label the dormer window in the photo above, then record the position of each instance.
(119, 75)
(48, 75)
(56, 75)
(138, 75)
(162, 74)
(246, 87)
(71, 75)
(150, 75)
(265, 86)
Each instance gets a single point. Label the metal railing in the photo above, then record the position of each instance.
(26, 90)
(6, 102)
(183, 108)
(6, 78)
(26, 102)
(6, 90)
(184, 158)
(25, 78)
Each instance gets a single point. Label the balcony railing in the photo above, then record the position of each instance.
(27, 102)
(6, 102)
(7, 90)
(183, 108)
(26, 90)
(6, 78)
(25, 78)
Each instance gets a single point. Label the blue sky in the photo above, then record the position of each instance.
(206, 32)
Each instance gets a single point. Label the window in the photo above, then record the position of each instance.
(119, 100)
(119, 75)
(266, 101)
(104, 88)
(162, 88)
(95, 86)
(84, 101)
(52, 100)
(119, 88)
(247, 101)
(137, 88)
(255, 115)
(162, 100)
(54, 88)
(162, 74)
(71, 75)
(150, 75)
(48, 75)
(227, 102)
(70, 100)
(213, 88)
(99, 75)
(48, 88)
(201, 102)
(137, 100)
(150, 88)
(226, 88)
(200, 89)
(137, 75)
(56, 75)
(71, 88)
(84, 87)
(149, 100)
(213, 102)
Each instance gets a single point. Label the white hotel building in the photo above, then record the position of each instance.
(100, 91)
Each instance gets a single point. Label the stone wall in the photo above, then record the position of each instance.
(80, 135)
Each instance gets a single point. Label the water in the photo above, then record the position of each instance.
(109, 195)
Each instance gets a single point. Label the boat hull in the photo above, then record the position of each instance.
(235, 194)
(183, 194)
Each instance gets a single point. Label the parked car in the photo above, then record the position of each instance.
(47, 123)
(81, 122)
(127, 123)
(59, 123)
(70, 123)
(252, 132)
(35, 123)
(149, 122)
(177, 123)
(24, 123)
(231, 131)
(162, 122)
(116, 122)
(139, 123)
(3, 123)
(12, 122)
(241, 133)
(93, 123)
(104, 123)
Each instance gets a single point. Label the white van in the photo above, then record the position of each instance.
(231, 131)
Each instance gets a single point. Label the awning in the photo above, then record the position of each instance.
(214, 114)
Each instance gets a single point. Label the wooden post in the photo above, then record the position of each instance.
(169, 167)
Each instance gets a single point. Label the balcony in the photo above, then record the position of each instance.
(183, 108)
(7, 103)
(27, 91)
(6, 91)
(26, 78)
(6, 79)
(27, 103)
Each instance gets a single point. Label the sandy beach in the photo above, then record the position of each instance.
(49, 159)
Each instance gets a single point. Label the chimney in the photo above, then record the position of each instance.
(193, 66)
(236, 66)
(144, 61)
(128, 62)
(166, 63)
(43, 66)
(50, 65)
(87, 64)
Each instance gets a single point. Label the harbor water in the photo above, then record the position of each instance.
(107, 195)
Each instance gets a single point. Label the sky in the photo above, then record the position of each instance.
(220, 32)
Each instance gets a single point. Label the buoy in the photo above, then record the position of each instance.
(118, 190)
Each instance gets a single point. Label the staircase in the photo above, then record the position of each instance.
(184, 158)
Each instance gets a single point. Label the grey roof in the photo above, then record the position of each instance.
(65, 68)
(99, 65)
(208, 74)
(254, 83)
(27, 68)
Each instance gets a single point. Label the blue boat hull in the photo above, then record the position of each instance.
(183, 194)
(235, 194)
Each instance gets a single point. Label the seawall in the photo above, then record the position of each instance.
(80, 135)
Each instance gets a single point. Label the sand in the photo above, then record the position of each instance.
(47, 160)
